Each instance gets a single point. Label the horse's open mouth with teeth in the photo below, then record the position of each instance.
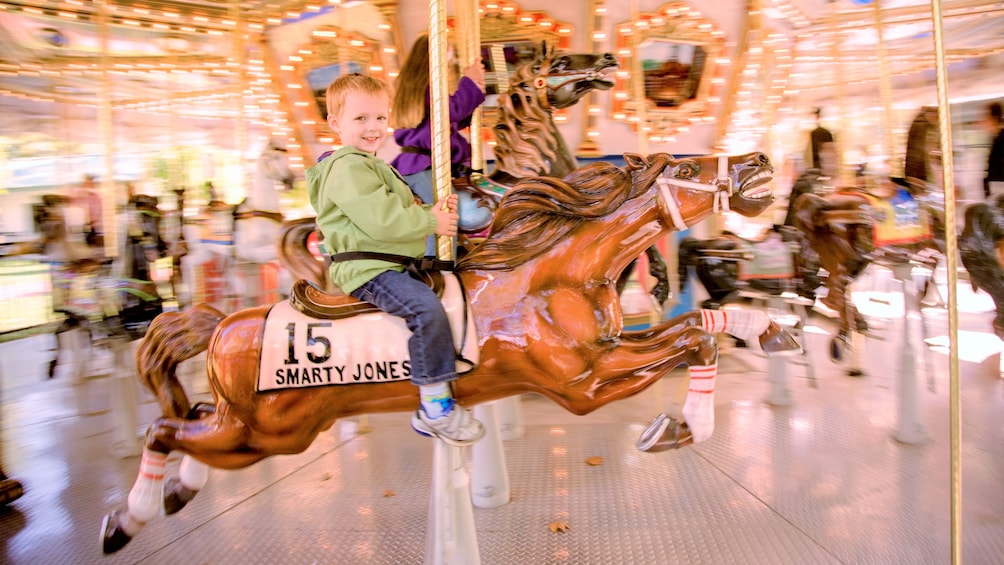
(570, 77)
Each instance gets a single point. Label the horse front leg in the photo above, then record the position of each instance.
(646, 356)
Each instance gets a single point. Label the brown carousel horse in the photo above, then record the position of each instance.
(897, 222)
(529, 145)
(542, 316)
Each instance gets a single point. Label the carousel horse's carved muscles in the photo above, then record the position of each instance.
(895, 222)
(773, 264)
(249, 230)
(981, 247)
(529, 145)
(116, 298)
(543, 317)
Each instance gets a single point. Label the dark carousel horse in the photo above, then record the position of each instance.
(542, 315)
(981, 247)
(773, 264)
(529, 145)
(897, 222)
(113, 298)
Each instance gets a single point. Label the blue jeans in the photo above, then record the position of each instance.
(433, 359)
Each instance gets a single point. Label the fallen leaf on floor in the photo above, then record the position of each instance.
(558, 526)
(388, 493)
(594, 460)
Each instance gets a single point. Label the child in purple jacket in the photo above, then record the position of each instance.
(410, 118)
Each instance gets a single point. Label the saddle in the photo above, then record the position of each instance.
(308, 298)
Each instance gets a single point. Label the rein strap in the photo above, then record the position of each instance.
(722, 187)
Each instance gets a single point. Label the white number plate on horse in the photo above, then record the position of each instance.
(299, 351)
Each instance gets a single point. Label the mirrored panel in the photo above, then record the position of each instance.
(672, 73)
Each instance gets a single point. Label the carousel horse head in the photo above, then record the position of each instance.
(528, 141)
(62, 241)
(274, 162)
(50, 219)
(559, 80)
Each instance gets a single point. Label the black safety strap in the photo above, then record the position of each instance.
(422, 264)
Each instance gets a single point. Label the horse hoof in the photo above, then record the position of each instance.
(663, 434)
(10, 490)
(113, 537)
(839, 346)
(778, 341)
(176, 495)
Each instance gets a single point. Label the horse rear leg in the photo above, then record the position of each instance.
(148, 495)
(144, 502)
(212, 436)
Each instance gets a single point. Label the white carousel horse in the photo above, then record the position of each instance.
(244, 233)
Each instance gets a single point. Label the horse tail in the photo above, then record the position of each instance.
(174, 337)
(688, 257)
(978, 247)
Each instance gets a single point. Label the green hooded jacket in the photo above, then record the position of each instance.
(363, 204)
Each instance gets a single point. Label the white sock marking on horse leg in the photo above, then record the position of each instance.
(699, 408)
(146, 496)
(744, 324)
(193, 473)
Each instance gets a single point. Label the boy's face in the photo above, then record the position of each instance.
(362, 121)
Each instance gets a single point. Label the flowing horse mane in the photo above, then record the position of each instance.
(528, 139)
(539, 212)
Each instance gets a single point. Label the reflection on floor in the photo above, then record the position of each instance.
(820, 481)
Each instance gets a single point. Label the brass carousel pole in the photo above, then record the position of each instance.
(239, 50)
(440, 115)
(638, 82)
(469, 30)
(951, 253)
(885, 91)
(107, 191)
(588, 146)
(842, 176)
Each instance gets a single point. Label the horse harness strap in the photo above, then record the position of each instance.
(545, 84)
(722, 187)
(274, 216)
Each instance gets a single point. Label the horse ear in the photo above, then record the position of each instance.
(635, 161)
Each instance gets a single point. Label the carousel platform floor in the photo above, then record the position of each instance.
(822, 480)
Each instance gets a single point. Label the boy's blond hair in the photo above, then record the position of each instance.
(334, 97)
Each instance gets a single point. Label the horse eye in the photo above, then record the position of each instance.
(687, 171)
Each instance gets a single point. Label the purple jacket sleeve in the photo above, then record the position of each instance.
(462, 105)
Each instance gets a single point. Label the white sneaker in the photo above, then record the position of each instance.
(458, 428)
